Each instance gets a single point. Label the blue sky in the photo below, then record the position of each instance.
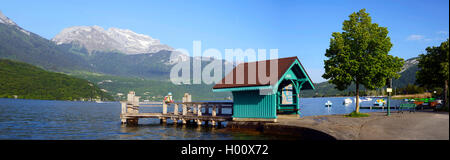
(296, 28)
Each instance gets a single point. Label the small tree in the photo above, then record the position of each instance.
(359, 55)
(433, 68)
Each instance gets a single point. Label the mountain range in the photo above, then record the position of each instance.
(95, 38)
(120, 54)
(73, 52)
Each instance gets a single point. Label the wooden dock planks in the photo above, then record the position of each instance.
(190, 111)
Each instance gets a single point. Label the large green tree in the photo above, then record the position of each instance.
(359, 55)
(433, 68)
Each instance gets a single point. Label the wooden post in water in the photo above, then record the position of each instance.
(189, 99)
(184, 107)
(175, 109)
(175, 121)
(213, 123)
(199, 110)
(220, 109)
(124, 110)
(213, 111)
(164, 107)
(132, 106)
(163, 119)
(194, 109)
(199, 113)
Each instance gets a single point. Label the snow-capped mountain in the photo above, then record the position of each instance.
(95, 38)
(7, 21)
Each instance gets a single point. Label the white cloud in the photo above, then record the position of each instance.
(415, 37)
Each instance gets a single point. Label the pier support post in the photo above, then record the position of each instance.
(194, 109)
(124, 110)
(214, 111)
(175, 121)
(132, 121)
(184, 108)
(220, 109)
(183, 121)
(131, 106)
(162, 120)
(213, 123)
(199, 122)
(199, 110)
(175, 109)
(164, 107)
(189, 99)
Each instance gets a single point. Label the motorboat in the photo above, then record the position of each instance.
(364, 99)
(348, 101)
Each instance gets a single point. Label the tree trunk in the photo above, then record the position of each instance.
(446, 93)
(357, 97)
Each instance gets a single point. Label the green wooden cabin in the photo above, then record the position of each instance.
(264, 101)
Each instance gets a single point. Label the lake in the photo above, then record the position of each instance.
(55, 120)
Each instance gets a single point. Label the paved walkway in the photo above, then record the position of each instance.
(407, 126)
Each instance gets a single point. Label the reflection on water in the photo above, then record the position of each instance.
(41, 119)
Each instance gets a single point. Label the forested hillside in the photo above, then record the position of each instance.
(29, 82)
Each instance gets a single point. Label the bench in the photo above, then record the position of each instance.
(408, 106)
(288, 110)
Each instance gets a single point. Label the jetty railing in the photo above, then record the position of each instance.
(191, 112)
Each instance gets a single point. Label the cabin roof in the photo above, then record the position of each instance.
(284, 65)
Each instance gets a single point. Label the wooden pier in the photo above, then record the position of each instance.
(191, 112)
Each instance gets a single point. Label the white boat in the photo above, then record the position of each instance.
(348, 101)
(328, 104)
(363, 100)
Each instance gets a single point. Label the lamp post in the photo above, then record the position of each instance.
(389, 90)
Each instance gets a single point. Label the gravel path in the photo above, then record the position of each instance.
(399, 126)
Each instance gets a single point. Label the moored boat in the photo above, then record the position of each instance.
(348, 101)
(328, 104)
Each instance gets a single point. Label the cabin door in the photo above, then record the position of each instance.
(287, 100)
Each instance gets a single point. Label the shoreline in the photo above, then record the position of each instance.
(421, 125)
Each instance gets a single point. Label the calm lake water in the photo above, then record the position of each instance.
(41, 119)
